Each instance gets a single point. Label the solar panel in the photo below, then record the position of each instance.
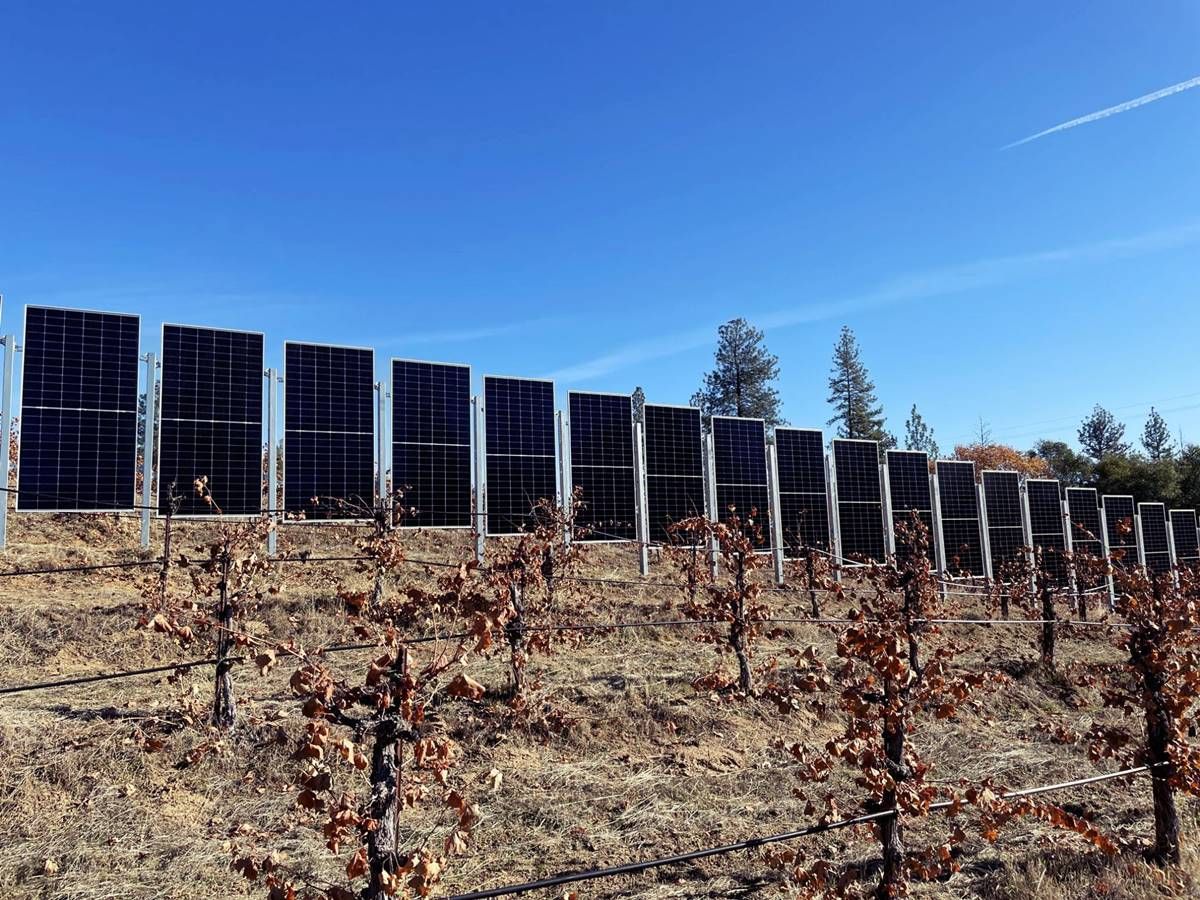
(674, 467)
(602, 465)
(803, 492)
(909, 493)
(329, 429)
(519, 413)
(1187, 541)
(959, 506)
(1087, 533)
(740, 458)
(1122, 535)
(212, 419)
(1156, 545)
(1005, 522)
(859, 499)
(1046, 526)
(431, 442)
(79, 402)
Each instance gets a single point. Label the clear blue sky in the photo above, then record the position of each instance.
(588, 190)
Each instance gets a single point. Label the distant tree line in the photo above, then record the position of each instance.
(744, 382)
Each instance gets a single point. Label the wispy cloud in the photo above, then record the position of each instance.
(927, 285)
(465, 335)
(1111, 111)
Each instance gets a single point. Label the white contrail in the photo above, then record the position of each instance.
(1111, 111)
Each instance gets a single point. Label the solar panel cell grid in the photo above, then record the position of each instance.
(431, 442)
(1086, 532)
(1156, 542)
(739, 456)
(674, 467)
(1006, 528)
(1046, 527)
(909, 493)
(520, 451)
(1122, 536)
(1183, 531)
(959, 504)
(212, 419)
(803, 497)
(602, 465)
(859, 499)
(79, 402)
(329, 428)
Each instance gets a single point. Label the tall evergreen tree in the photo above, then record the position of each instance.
(742, 381)
(857, 412)
(1100, 434)
(918, 435)
(1156, 437)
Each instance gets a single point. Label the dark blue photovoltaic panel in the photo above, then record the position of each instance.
(910, 493)
(674, 467)
(212, 420)
(1046, 526)
(1087, 532)
(520, 451)
(859, 499)
(959, 507)
(1122, 534)
(1187, 541)
(602, 465)
(79, 402)
(329, 431)
(1005, 524)
(740, 459)
(1156, 545)
(431, 442)
(803, 495)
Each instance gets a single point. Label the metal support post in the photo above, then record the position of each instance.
(477, 421)
(776, 514)
(10, 351)
(272, 461)
(640, 499)
(148, 450)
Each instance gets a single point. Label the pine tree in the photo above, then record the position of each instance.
(742, 380)
(1100, 434)
(918, 435)
(1156, 437)
(857, 413)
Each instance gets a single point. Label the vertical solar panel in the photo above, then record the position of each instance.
(803, 492)
(859, 499)
(1122, 535)
(1005, 523)
(1156, 545)
(1046, 526)
(674, 467)
(740, 457)
(212, 419)
(79, 401)
(909, 493)
(519, 415)
(602, 465)
(959, 504)
(1087, 533)
(431, 442)
(329, 430)
(1187, 541)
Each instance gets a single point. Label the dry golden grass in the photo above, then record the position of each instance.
(646, 767)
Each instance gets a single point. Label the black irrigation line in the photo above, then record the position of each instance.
(635, 868)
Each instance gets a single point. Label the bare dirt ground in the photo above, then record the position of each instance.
(645, 767)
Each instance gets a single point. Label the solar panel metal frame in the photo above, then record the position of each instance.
(569, 466)
(977, 519)
(835, 482)
(764, 515)
(282, 410)
(1080, 542)
(1187, 524)
(1132, 541)
(554, 457)
(159, 430)
(133, 499)
(891, 513)
(1060, 571)
(703, 475)
(987, 513)
(1146, 552)
(825, 501)
(390, 464)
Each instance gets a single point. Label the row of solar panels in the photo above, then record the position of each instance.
(79, 433)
